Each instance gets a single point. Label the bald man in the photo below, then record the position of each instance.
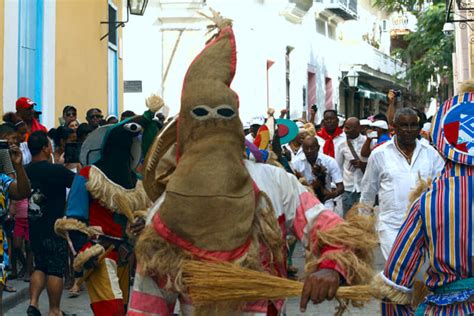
(351, 163)
(304, 166)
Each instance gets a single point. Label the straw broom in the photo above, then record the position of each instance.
(211, 283)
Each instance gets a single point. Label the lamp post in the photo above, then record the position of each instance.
(352, 78)
(352, 82)
(137, 7)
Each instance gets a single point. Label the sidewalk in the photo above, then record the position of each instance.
(10, 300)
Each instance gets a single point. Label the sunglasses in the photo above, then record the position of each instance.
(71, 114)
(97, 116)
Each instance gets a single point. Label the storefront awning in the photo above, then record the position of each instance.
(368, 92)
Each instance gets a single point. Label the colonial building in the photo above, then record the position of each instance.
(55, 52)
(291, 54)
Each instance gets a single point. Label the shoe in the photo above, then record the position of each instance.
(8, 288)
(33, 311)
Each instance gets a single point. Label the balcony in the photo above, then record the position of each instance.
(346, 9)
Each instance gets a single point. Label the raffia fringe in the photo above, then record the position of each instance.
(421, 187)
(212, 283)
(63, 225)
(358, 237)
(104, 190)
(84, 256)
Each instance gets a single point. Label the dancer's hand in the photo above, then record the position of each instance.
(319, 286)
(137, 226)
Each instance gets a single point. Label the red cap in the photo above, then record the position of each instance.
(24, 103)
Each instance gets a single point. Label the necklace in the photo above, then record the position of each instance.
(408, 159)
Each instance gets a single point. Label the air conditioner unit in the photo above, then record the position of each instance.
(385, 26)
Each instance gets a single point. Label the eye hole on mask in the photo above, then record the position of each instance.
(200, 112)
(226, 112)
(133, 127)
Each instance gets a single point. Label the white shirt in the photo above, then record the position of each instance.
(302, 165)
(389, 175)
(249, 137)
(351, 177)
(337, 141)
(294, 155)
(25, 151)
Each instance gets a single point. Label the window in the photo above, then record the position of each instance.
(112, 69)
(331, 31)
(30, 50)
(112, 24)
(321, 26)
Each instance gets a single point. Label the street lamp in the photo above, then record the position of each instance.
(137, 7)
(352, 78)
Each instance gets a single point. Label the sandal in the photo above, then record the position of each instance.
(9, 289)
(74, 294)
(33, 311)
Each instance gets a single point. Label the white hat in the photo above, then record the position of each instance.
(380, 124)
(365, 122)
(426, 127)
(257, 121)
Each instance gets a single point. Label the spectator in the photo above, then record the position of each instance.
(111, 119)
(126, 114)
(25, 110)
(294, 148)
(49, 182)
(82, 131)
(15, 189)
(313, 158)
(255, 125)
(364, 126)
(19, 209)
(392, 172)
(331, 135)
(69, 115)
(377, 135)
(93, 117)
(61, 136)
(351, 163)
(73, 125)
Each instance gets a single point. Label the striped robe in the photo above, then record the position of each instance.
(438, 227)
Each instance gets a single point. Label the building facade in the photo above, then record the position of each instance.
(51, 51)
(291, 54)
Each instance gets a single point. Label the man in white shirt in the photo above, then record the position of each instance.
(392, 172)
(304, 166)
(351, 163)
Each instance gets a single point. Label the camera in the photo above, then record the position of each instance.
(4, 144)
(398, 93)
(314, 108)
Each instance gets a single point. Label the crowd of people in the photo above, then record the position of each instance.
(34, 194)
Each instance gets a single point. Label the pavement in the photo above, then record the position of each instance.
(17, 303)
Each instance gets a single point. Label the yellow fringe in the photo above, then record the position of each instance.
(63, 225)
(104, 190)
(83, 257)
(421, 187)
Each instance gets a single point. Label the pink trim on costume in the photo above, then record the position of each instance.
(162, 230)
(307, 201)
(148, 304)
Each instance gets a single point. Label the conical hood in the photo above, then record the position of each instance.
(210, 201)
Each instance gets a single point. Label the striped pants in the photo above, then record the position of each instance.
(108, 288)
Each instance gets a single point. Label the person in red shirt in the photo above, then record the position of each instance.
(25, 110)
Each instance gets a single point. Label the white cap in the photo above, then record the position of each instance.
(426, 127)
(380, 124)
(257, 121)
(365, 122)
